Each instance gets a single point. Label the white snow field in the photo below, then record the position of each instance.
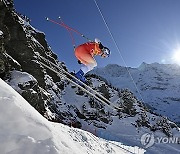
(24, 131)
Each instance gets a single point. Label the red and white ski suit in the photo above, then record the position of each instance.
(85, 53)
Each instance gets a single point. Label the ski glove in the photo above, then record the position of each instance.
(79, 62)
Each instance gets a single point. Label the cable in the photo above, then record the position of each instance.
(118, 50)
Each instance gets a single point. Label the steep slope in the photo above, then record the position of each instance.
(28, 132)
(159, 85)
(18, 43)
(126, 125)
(60, 101)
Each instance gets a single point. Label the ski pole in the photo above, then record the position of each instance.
(70, 33)
(69, 28)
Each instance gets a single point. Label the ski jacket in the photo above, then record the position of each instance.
(89, 47)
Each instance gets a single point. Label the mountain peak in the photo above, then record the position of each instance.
(159, 66)
(158, 84)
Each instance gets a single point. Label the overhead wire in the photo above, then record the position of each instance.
(119, 51)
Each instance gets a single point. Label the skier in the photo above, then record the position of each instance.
(85, 54)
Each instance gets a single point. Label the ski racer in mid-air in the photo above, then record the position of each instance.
(85, 54)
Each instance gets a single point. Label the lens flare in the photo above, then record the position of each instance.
(176, 56)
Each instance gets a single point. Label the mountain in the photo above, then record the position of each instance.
(24, 130)
(158, 84)
(60, 101)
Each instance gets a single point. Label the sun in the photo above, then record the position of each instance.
(176, 56)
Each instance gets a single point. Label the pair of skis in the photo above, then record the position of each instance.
(72, 79)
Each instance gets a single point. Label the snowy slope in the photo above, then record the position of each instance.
(159, 85)
(24, 130)
(123, 127)
(74, 106)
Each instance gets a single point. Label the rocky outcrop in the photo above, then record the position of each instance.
(18, 44)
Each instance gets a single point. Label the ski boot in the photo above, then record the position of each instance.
(80, 75)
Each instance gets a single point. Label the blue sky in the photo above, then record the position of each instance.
(145, 30)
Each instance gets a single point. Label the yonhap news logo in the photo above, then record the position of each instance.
(148, 140)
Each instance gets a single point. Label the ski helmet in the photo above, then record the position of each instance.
(106, 51)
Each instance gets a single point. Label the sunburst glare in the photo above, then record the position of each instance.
(176, 56)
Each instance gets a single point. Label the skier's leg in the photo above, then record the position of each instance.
(88, 67)
(86, 58)
(89, 63)
(83, 55)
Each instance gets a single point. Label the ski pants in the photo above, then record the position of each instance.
(86, 58)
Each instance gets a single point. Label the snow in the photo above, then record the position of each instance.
(120, 130)
(6, 2)
(24, 130)
(18, 77)
(1, 33)
(157, 83)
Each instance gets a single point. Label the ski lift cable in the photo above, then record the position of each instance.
(118, 49)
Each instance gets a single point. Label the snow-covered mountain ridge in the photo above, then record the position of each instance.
(159, 85)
